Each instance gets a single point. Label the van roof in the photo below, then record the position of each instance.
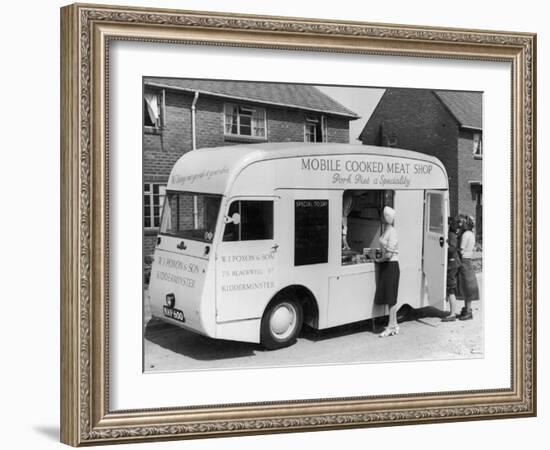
(210, 169)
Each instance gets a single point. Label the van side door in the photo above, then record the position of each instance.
(435, 246)
(246, 259)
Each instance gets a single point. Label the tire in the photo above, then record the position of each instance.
(281, 323)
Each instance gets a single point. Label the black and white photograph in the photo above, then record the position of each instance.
(298, 224)
(268, 225)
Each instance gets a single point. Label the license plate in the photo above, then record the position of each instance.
(174, 313)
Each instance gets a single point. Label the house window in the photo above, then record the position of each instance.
(246, 121)
(153, 110)
(391, 141)
(477, 145)
(153, 199)
(385, 139)
(315, 129)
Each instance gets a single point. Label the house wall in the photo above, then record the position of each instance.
(338, 130)
(469, 169)
(285, 125)
(162, 149)
(417, 121)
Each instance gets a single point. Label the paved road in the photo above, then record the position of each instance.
(423, 336)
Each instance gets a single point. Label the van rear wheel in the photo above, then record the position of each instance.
(281, 323)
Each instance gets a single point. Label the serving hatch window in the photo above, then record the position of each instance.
(190, 215)
(362, 223)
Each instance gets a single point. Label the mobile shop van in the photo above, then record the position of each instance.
(251, 242)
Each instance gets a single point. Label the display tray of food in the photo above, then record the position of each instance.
(350, 256)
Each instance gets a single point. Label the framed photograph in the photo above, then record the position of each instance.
(276, 224)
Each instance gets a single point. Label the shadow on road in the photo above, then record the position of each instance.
(374, 326)
(194, 345)
(427, 311)
(202, 348)
(365, 326)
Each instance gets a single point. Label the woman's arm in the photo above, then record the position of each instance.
(463, 240)
(452, 245)
(385, 257)
(390, 248)
(466, 242)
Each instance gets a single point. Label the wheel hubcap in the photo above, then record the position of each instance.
(283, 321)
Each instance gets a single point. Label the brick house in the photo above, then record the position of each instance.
(445, 124)
(182, 114)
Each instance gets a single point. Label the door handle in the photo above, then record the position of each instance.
(441, 241)
(182, 246)
(274, 247)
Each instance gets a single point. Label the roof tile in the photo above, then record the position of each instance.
(301, 96)
(464, 106)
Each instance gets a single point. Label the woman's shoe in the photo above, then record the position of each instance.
(466, 315)
(450, 318)
(390, 331)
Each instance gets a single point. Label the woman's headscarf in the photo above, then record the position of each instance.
(466, 222)
(389, 214)
(470, 223)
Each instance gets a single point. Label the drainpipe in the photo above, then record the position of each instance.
(194, 141)
(193, 109)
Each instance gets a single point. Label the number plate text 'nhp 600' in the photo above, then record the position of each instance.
(173, 313)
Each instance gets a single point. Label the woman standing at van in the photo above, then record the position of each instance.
(453, 264)
(388, 280)
(467, 283)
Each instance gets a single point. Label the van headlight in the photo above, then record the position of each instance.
(170, 300)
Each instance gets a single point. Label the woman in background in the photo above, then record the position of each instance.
(468, 289)
(453, 264)
(388, 279)
(347, 206)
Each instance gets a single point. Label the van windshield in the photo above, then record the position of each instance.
(190, 215)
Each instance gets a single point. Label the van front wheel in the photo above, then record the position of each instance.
(281, 323)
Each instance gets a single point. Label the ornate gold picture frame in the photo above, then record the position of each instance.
(87, 31)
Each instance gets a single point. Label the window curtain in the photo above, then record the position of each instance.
(324, 129)
(166, 217)
(477, 144)
(347, 205)
(258, 122)
(231, 119)
(152, 103)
